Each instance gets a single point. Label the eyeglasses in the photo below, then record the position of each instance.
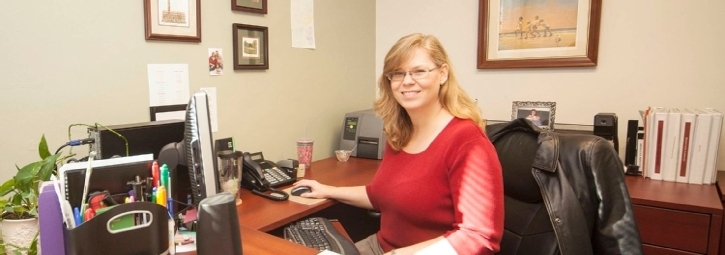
(415, 74)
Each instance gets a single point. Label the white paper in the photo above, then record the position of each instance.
(168, 84)
(211, 99)
(326, 252)
(177, 115)
(303, 24)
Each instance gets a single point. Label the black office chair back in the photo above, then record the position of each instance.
(527, 228)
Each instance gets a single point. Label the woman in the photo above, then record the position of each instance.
(534, 118)
(439, 187)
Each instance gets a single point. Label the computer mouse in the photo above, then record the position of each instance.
(300, 190)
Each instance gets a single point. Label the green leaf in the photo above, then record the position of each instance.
(47, 168)
(43, 148)
(26, 174)
(3, 203)
(8, 186)
(17, 199)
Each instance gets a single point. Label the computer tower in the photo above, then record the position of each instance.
(142, 138)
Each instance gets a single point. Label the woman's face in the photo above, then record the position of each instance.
(421, 93)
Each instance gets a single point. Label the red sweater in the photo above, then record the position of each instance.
(454, 188)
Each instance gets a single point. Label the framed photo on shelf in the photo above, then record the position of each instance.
(254, 6)
(527, 33)
(251, 50)
(173, 20)
(542, 114)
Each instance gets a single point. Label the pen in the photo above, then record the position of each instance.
(77, 216)
(89, 169)
(169, 204)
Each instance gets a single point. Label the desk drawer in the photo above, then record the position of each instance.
(674, 229)
(656, 250)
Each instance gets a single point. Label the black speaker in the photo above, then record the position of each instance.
(630, 151)
(605, 125)
(218, 226)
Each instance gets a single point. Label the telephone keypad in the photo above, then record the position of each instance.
(275, 175)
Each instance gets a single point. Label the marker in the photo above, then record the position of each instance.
(165, 176)
(77, 216)
(155, 173)
(153, 195)
(161, 196)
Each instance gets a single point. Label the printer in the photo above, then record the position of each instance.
(365, 130)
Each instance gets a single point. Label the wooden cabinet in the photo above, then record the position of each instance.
(676, 218)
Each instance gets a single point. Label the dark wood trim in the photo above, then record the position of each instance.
(236, 7)
(151, 35)
(589, 60)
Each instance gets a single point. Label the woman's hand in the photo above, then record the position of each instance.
(318, 190)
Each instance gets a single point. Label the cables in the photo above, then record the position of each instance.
(76, 142)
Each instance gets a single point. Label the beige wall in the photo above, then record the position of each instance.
(651, 53)
(68, 62)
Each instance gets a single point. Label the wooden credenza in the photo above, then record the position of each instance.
(676, 218)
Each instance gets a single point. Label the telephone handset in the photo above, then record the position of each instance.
(258, 179)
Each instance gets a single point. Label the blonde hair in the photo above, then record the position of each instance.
(397, 124)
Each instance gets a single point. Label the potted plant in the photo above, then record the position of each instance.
(19, 202)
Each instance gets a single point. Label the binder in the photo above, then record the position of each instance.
(713, 146)
(657, 140)
(703, 124)
(687, 129)
(671, 145)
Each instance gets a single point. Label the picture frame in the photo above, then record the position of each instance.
(173, 20)
(513, 34)
(166, 112)
(542, 114)
(251, 46)
(253, 6)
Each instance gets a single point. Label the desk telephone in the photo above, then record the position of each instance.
(260, 175)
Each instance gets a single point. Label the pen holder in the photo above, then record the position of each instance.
(96, 236)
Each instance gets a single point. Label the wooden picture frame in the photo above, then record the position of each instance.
(253, 6)
(251, 46)
(165, 112)
(513, 34)
(168, 22)
(542, 114)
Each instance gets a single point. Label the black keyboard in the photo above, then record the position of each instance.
(319, 233)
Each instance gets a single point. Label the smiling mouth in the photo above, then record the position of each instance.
(409, 93)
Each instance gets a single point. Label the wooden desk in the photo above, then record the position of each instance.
(258, 242)
(676, 218)
(258, 215)
(721, 191)
(263, 214)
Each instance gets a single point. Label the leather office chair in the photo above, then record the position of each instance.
(528, 154)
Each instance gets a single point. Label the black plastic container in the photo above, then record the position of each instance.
(95, 237)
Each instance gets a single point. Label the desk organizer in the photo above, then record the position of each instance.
(96, 237)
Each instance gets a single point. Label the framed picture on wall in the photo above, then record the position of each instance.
(255, 6)
(251, 50)
(173, 20)
(538, 33)
(542, 114)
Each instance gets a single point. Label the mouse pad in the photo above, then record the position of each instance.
(302, 200)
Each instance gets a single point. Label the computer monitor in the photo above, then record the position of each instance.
(195, 151)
